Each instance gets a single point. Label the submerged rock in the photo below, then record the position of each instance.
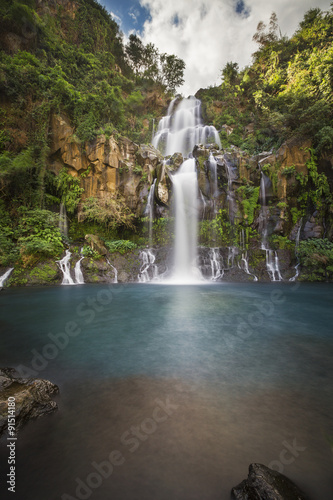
(32, 398)
(266, 484)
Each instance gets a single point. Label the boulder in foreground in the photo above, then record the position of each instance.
(266, 484)
(32, 398)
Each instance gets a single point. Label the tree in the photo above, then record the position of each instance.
(262, 37)
(150, 62)
(135, 51)
(230, 73)
(172, 68)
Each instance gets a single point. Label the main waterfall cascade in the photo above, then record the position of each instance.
(179, 132)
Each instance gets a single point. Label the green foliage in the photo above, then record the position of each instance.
(316, 256)
(149, 64)
(68, 190)
(163, 231)
(230, 73)
(279, 242)
(8, 249)
(249, 196)
(324, 139)
(121, 246)
(38, 233)
(288, 171)
(87, 251)
(111, 212)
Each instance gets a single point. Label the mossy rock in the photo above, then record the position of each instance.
(44, 273)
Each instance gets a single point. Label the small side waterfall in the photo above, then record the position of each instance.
(185, 186)
(232, 252)
(272, 259)
(272, 265)
(64, 266)
(148, 269)
(4, 277)
(115, 279)
(296, 252)
(149, 212)
(63, 222)
(182, 129)
(216, 264)
(230, 192)
(244, 259)
(78, 272)
(213, 175)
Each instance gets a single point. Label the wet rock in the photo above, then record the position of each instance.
(266, 484)
(313, 227)
(32, 398)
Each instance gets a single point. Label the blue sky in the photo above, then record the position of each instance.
(129, 14)
(206, 34)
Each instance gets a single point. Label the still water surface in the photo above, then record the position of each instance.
(185, 385)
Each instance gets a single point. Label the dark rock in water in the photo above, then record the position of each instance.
(266, 484)
(32, 398)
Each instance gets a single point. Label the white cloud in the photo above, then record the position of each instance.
(115, 17)
(208, 34)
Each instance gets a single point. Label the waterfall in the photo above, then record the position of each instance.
(4, 277)
(230, 192)
(182, 129)
(63, 222)
(296, 252)
(213, 174)
(185, 185)
(272, 265)
(64, 266)
(148, 269)
(272, 259)
(77, 271)
(204, 204)
(179, 132)
(244, 259)
(231, 256)
(216, 266)
(115, 279)
(149, 211)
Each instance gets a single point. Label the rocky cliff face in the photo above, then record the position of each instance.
(108, 164)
